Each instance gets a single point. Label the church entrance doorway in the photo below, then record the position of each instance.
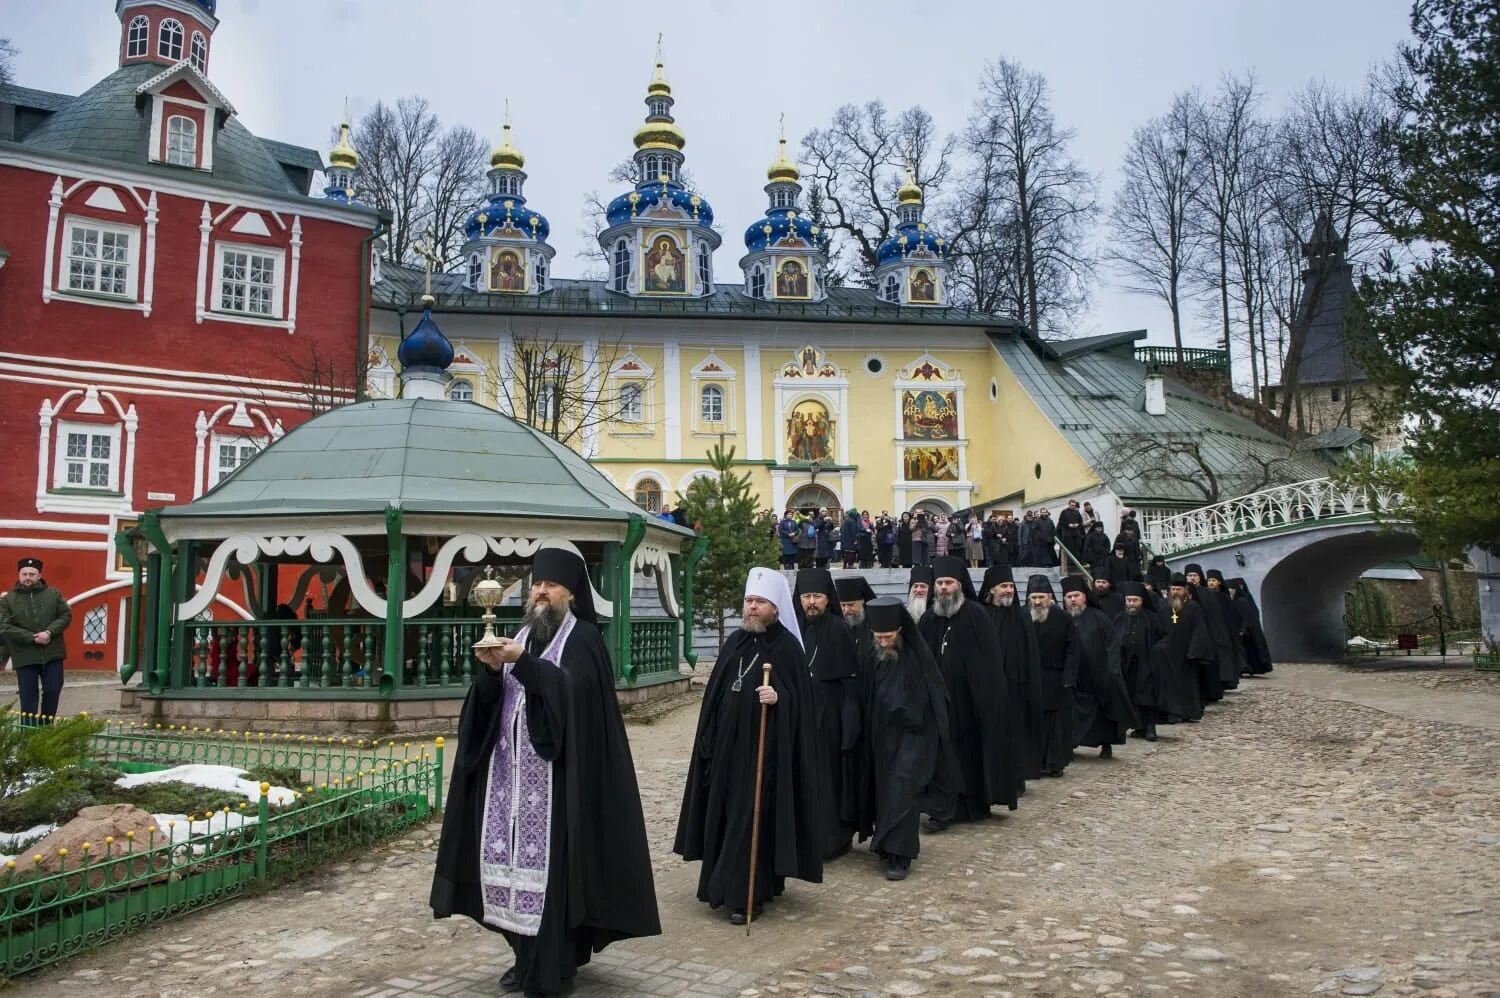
(811, 498)
(932, 507)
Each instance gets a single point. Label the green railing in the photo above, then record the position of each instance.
(354, 795)
(654, 650)
(1193, 358)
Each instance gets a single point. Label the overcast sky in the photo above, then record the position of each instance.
(575, 74)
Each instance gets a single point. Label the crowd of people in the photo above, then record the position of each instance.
(831, 717)
(820, 539)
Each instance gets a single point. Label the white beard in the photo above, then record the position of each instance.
(948, 606)
(1076, 611)
(1006, 600)
(916, 607)
(1039, 614)
(753, 626)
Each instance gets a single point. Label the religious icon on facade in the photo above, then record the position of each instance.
(809, 433)
(929, 415)
(930, 464)
(666, 269)
(923, 288)
(808, 358)
(507, 271)
(791, 279)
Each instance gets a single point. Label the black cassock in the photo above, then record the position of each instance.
(1023, 680)
(967, 650)
(1223, 627)
(1102, 711)
(599, 886)
(834, 669)
(1057, 652)
(1257, 654)
(1185, 654)
(909, 767)
(718, 802)
(1138, 635)
(1111, 603)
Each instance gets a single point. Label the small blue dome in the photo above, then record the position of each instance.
(648, 197)
(507, 215)
(781, 222)
(894, 249)
(426, 346)
(209, 5)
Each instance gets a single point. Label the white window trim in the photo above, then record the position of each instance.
(452, 385)
(216, 473)
(278, 279)
(727, 380)
(620, 253)
(641, 411)
(703, 396)
(144, 23)
(182, 39)
(60, 456)
(131, 298)
(192, 132)
(208, 279)
(475, 272)
(197, 44)
(159, 115)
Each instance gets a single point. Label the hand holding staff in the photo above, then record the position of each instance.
(767, 697)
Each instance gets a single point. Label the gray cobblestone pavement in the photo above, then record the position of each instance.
(1324, 831)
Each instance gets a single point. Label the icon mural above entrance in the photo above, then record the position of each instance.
(809, 433)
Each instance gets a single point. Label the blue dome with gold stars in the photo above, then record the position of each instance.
(209, 5)
(507, 215)
(909, 239)
(671, 195)
(426, 346)
(778, 223)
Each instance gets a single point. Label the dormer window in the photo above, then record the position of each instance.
(182, 141)
(169, 40)
(138, 38)
(199, 52)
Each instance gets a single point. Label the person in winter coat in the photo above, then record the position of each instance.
(827, 538)
(786, 532)
(904, 541)
(885, 539)
(33, 617)
(807, 540)
(865, 542)
(849, 535)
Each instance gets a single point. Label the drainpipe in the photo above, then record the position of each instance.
(161, 601)
(382, 225)
(395, 596)
(689, 568)
(619, 627)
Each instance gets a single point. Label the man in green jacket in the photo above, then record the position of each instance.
(33, 617)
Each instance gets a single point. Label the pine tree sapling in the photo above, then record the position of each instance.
(727, 511)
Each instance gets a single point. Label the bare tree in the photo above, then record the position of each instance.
(1022, 175)
(564, 388)
(1153, 245)
(1180, 459)
(8, 53)
(325, 380)
(859, 161)
(426, 177)
(595, 222)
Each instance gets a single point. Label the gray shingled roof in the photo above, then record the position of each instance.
(108, 123)
(1096, 401)
(298, 156)
(42, 100)
(1325, 353)
(432, 456)
(401, 287)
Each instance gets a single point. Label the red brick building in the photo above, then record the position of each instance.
(173, 298)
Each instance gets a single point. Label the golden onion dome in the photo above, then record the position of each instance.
(783, 169)
(909, 193)
(343, 154)
(659, 135)
(506, 154)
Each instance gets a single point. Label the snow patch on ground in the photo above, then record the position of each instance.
(11, 842)
(175, 828)
(214, 777)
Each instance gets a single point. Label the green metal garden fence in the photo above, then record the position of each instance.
(354, 793)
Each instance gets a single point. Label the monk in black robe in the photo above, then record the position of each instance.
(854, 592)
(1107, 597)
(1186, 653)
(1257, 654)
(1102, 711)
(919, 591)
(1022, 666)
(561, 871)
(1211, 680)
(1138, 630)
(909, 767)
(1057, 654)
(1215, 583)
(718, 802)
(833, 666)
(960, 636)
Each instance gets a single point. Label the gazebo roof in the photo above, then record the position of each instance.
(422, 455)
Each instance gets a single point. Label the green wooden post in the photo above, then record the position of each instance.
(161, 599)
(689, 571)
(186, 573)
(609, 586)
(395, 596)
(126, 550)
(635, 532)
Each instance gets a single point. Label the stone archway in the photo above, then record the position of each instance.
(932, 507)
(813, 498)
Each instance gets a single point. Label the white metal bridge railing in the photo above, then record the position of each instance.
(1284, 505)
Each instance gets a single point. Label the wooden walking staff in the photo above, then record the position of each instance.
(760, 769)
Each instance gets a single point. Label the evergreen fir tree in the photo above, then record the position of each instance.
(724, 509)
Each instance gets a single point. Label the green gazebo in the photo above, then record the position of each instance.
(323, 587)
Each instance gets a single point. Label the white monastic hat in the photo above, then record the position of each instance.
(769, 584)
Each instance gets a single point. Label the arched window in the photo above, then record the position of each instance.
(541, 273)
(547, 405)
(508, 184)
(632, 403)
(96, 626)
(182, 141)
(169, 40)
(648, 495)
(461, 390)
(781, 199)
(757, 282)
(669, 167)
(622, 266)
(476, 272)
(138, 38)
(711, 404)
(891, 290)
(658, 108)
(199, 52)
(705, 269)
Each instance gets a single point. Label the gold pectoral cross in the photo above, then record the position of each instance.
(1174, 616)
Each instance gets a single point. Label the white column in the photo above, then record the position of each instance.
(205, 226)
(296, 275)
(54, 206)
(44, 448)
(778, 490)
(846, 488)
(148, 278)
(591, 391)
(842, 395)
(672, 399)
(754, 428)
(200, 430)
(132, 420)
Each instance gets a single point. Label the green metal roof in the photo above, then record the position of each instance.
(1095, 399)
(402, 287)
(429, 456)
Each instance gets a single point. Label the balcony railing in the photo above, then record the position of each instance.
(1193, 358)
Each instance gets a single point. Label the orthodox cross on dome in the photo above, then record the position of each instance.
(427, 250)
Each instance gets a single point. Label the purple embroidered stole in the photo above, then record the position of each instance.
(516, 835)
